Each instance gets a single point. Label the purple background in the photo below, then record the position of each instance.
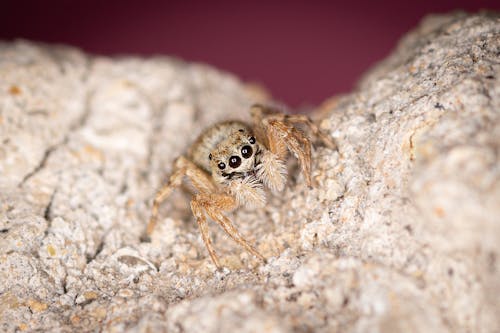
(302, 51)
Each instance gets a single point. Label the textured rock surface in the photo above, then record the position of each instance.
(402, 235)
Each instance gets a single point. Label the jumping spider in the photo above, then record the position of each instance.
(231, 162)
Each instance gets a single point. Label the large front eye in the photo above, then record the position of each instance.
(234, 161)
(246, 151)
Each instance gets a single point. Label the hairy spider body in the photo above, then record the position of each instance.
(222, 141)
(230, 164)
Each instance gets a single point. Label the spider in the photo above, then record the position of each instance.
(230, 164)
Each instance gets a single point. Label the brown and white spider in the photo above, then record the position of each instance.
(231, 162)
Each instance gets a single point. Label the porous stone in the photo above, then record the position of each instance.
(401, 234)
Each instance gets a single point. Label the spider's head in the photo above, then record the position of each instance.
(234, 157)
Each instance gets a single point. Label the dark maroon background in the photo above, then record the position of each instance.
(302, 51)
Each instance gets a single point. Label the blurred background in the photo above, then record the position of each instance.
(302, 51)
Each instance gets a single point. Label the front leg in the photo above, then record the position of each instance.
(280, 135)
(260, 112)
(295, 141)
(213, 205)
(303, 119)
(182, 167)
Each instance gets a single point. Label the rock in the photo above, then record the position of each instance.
(402, 234)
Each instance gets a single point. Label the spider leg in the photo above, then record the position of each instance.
(259, 115)
(182, 167)
(197, 208)
(303, 119)
(280, 134)
(260, 112)
(295, 141)
(213, 205)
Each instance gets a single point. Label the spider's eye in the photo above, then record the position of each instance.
(221, 166)
(234, 161)
(246, 151)
(251, 140)
(210, 157)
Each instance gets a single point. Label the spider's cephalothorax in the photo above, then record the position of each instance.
(227, 151)
(236, 160)
(231, 163)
